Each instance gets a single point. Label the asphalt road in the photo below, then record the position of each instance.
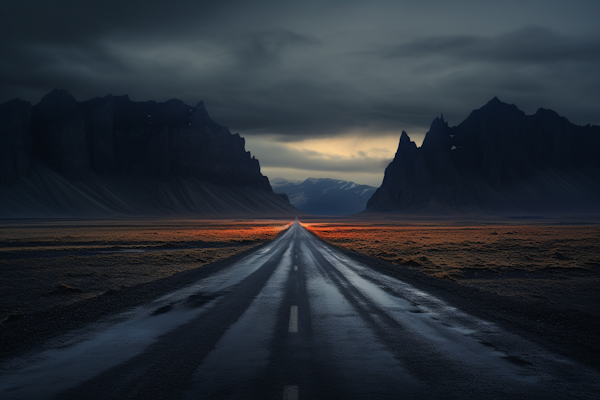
(295, 319)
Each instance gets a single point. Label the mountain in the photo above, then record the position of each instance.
(497, 160)
(325, 196)
(113, 156)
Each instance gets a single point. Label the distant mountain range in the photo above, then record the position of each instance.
(498, 160)
(325, 196)
(113, 156)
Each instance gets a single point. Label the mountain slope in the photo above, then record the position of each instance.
(325, 196)
(112, 156)
(498, 160)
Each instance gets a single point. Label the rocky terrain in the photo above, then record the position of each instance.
(323, 196)
(114, 156)
(498, 160)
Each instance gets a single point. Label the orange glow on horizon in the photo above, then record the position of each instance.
(450, 252)
(141, 233)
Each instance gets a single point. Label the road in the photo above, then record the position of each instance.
(296, 319)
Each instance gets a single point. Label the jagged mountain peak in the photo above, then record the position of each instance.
(495, 100)
(438, 133)
(496, 159)
(57, 100)
(200, 110)
(496, 106)
(545, 112)
(405, 144)
(58, 93)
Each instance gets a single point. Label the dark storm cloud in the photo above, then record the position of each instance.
(266, 47)
(310, 69)
(530, 45)
(72, 21)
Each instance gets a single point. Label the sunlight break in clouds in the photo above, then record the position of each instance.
(353, 157)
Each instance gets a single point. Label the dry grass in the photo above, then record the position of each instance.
(106, 233)
(552, 263)
(40, 260)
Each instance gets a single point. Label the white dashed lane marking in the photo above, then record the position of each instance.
(290, 393)
(295, 268)
(293, 327)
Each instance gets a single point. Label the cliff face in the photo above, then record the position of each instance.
(15, 141)
(113, 139)
(113, 134)
(498, 159)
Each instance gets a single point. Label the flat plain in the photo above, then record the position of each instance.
(553, 263)
(53, 263)
(542, 278)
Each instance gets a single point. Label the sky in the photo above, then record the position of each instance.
(317, 88)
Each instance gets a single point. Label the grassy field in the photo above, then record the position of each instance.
(554, 264)
(49, 263)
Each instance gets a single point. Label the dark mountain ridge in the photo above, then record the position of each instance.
(114, 140)
(498, 160)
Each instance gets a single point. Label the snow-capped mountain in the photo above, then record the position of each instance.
(325, 196)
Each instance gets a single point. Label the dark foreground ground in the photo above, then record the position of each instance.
(94, 269)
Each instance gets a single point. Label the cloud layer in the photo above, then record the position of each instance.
(291, 72)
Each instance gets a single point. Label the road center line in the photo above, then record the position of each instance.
(290, 393)
(295, 268)
(293, 327)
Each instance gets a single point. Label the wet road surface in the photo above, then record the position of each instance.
(295, 319)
